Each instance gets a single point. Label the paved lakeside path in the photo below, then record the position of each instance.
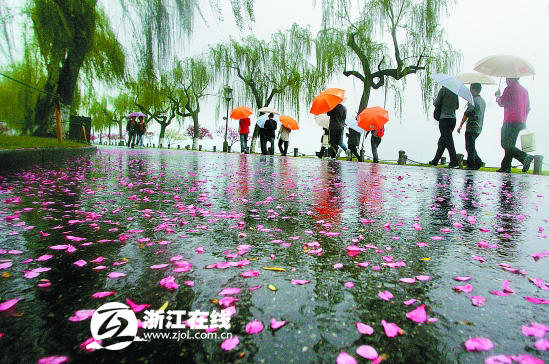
(315, 261)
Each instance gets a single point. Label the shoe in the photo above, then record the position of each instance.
(453, 166)
(376, 161)
(527, 161)
(432, 163)
(504, 170)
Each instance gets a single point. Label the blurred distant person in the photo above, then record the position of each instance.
(474, 116)
(140, 128)
(353, 141)
(244, 131)
(337, 122)
(516, 106)
(375, 141)
(284, 139)
(325, 143)
(131, 129)
(269, 130)
(448, 102)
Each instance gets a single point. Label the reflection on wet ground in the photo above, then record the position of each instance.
(351, 242)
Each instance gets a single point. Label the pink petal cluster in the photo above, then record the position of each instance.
(479, 344)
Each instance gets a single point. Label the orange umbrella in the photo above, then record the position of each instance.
(241, 112)
(327, 100)
(373, 118)
(289, 122)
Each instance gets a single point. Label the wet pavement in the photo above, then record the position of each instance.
(344, 243)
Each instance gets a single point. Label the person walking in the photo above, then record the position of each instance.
(337, 122)
(244, 131)
(131, 129)
(283, 139)
(324, 143)
(448, 103)
(375, 140)
(269, 130)
(474, 116)
(140, 128)
(516, 106)
(353, 141)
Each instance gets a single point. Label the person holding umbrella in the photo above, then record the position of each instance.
(516, 106)
(448, 103)
(337, 123)
(474, 116)
(283, 139)
(375, 141)
(132, 130)
(141, 128)
(269, 132)
(354, 141)
(244, 131)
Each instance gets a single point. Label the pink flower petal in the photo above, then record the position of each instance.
(349, 284)
(364, 329)
(418, 315)
(338, 266)
(6, 265)
(53, 360)
(407, 280)
(478, 300)
(200, 250)
(8, 304)
(137, 307)
(229, 291)
(116, 275)
(387, 296)
(250, 273)
(102, 294)
(542, 345)
(81, 315)
(537, 300)
(462, 279)
(533, 331)
(277, 324)
(367, 352)
(80, 263)
(299, 281)
(254, 327)
(467, 288)
(499, 293)
(344, 358)
(84, 345)
(391, 329)
(506, 287)
(478, 344)
(423, 278)
(498, 359)
(230, 344)
(410, 302)
(158, 266)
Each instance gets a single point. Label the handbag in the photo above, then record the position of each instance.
(437, 112)
(528, 142)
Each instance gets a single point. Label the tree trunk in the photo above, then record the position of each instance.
(161, 135)
(196, 132)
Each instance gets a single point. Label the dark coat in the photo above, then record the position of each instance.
(269, 128)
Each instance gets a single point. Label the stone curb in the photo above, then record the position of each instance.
(17, 159)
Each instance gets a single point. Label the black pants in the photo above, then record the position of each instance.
(473, 160)
(354, 150)
(335, 137)
(263, 143)
(374, 143)
(509, 136)
(446, 140)
(283, 146)
(131, 135)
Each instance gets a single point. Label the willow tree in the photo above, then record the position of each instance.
(194, 77)
(73, 35)
(111, 110)
(275, 72)
(390, 40)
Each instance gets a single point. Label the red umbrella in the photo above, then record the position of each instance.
(327, 100)
(373, 118)
(289, 122)
(241, 112)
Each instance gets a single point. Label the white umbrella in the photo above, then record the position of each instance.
(263, 118)
(505, 66)
(352, 123)
(323, 120)
(475, 77)
(454, 85)
(269, 110)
